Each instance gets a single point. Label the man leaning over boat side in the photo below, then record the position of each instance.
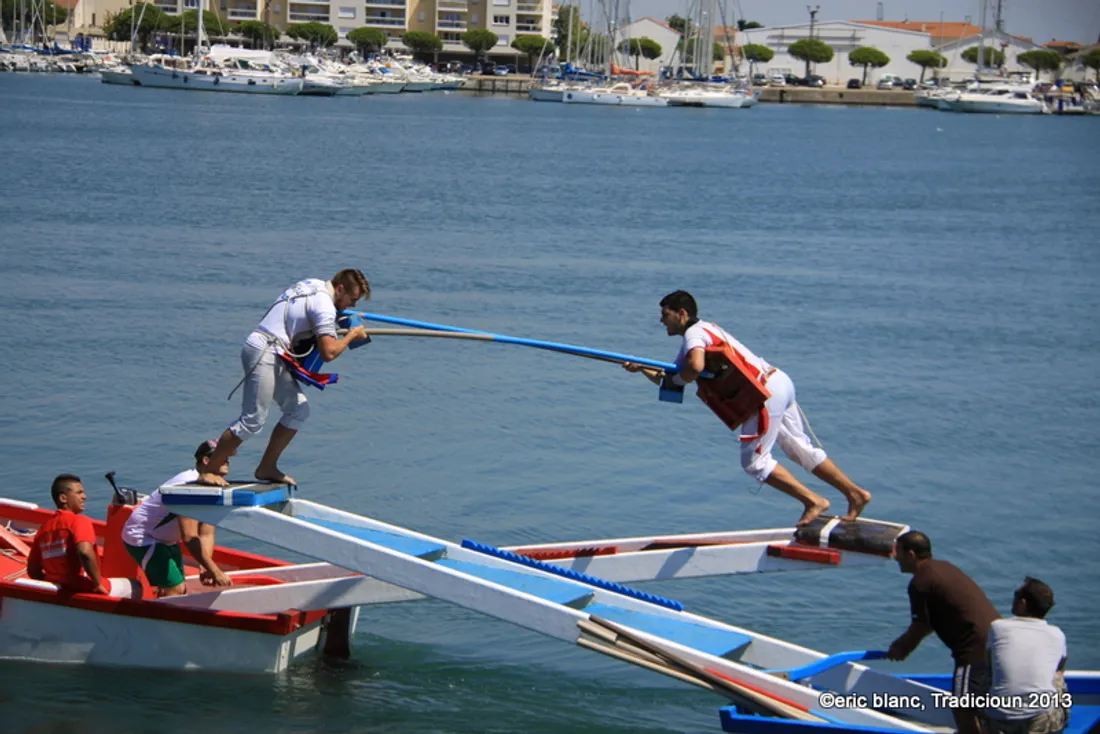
(307, 310)
(679, 315)
(1027, 657)
(153, 533)
(944, 600)
(63, 551)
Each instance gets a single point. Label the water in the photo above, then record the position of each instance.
(928, 280)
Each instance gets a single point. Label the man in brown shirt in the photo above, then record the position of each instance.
(944, 600)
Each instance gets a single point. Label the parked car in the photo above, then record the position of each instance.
(813, 80)
(886, 84)
(759, 80)
(855, 84)
(777, 80)
(909, 84)
(501, 70)
(792, 80)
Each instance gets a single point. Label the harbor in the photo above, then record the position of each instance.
(493, 526)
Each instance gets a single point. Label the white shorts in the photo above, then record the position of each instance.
(784, 427)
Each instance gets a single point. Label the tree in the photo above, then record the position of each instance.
(1041, 60)
(368, 40)
(638, 47)
(50, 13)
(682, 26)
(570, 31)
(148, 19)
(188, 20)
(258, 32)
(748, 25)
(316, 34)
(479, 40)
(755, 53)
(925, 58)
(1092, 61)
(867, 56)
(811, 50)
(422, 42)
(992, 57)
(533, 46)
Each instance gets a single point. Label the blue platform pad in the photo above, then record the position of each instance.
(553, 590)
(705, 639)
(400, 543)
(200, 494)
(1083, 719)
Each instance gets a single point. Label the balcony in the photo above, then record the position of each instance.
(528, 28)
(385, 3)
(241, 14)
(451, 25)
(535, 8)
(460, 5)
(308, 17)
(168, 6)
(376, 21)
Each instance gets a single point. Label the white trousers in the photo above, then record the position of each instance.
(269, 381)
(784, 427)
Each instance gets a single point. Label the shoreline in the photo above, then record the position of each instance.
(517, 84)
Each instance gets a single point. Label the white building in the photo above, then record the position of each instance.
(958, 68)
(658, 31)
(843, 36)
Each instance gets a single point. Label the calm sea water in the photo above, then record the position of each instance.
(928, 280)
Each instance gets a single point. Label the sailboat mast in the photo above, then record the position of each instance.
(981, 39)
(199, 34)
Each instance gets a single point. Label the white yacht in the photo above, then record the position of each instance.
(1001, 99)
(180, 73)
(707, 95)
(617, 94)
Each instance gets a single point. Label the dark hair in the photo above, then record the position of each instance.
(205, 449)
(350, 277)
(1038, 596)
(61, 485)
(680, 299)
(917, 542)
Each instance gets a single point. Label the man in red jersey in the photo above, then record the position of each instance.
(64, 549)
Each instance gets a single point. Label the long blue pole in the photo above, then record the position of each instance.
(503, 339)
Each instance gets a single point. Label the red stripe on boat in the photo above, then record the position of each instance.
(805, 553)
(756, 689)
(550, 554)
(272, 624)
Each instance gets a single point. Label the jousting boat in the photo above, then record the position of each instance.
(577, 592)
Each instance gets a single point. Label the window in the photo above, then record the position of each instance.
(346, 12)
(93, 20)
(473, 18)
(503, 3)
(502, 20)
(502, 40)
(420, 16)
(344, 30)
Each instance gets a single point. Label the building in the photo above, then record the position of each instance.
(959, 68)
(843, 36)
(448, 19)
(657, 30)
(941, 32)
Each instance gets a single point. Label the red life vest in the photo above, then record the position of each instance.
(736, 392)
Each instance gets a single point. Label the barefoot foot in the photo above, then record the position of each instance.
(856, 502)
(812, 511)
(274, 475)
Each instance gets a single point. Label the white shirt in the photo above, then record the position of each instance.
(303, 310)
(1025, 653)
(152, 521)
(696, 336)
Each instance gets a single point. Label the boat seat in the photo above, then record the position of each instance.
(400, 543)
(710, 640)
(558, 591)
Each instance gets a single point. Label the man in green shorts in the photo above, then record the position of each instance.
(153, 534)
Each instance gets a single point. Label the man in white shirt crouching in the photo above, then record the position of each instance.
(1027, 656)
